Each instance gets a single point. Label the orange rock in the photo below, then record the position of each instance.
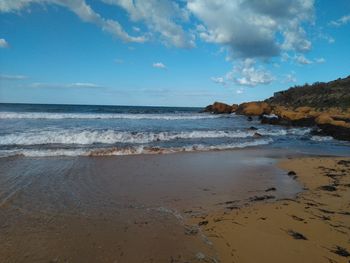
(324, 118)
(341, 124)
(234, 107)
(292, 115)
(253, 108)
(219, 108)
(304, 109)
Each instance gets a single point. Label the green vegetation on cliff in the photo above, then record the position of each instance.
(319, 95)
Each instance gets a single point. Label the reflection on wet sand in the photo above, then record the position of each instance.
(128, 208)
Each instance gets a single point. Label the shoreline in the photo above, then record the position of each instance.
(151, 151)
(312, 227)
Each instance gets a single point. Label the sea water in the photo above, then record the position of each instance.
(89, 130)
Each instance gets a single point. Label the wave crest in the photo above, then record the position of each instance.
(130, 116)
(115, 151)
(88, 137)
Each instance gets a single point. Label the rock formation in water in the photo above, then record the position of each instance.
(219, 108)
(325, 106)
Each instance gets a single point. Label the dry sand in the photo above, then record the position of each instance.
(314, 227)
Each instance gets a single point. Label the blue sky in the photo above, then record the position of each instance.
(170, 53)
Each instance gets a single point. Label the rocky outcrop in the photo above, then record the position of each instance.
(234, 108)
(337, 132)
(303, 116)
(220, 108)
(325, 106)
(329, 123)
(255, 108)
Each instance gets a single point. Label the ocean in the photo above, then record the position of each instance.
(86, 130)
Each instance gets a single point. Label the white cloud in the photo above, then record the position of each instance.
(295, 39)
(136, 29)
(161, 17)
(82, 10)
(303, 60)
(159, 65)
(290, 78)
(285, 57)
(326, 37)
(12, 77)
(219, 80)
(239, 91)
(114, 28)
(82, 85)
(320, 60)
(12, 5)
(247, 28)
(246, 73)
(330, 40)
(3, 43)
(250, 29)
(341, 21)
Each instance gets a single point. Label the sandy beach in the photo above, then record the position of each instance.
(313, 227)
(226, 206)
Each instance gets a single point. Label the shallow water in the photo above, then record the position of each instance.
(126, 208)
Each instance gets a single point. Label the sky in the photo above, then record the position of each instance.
(168, 53)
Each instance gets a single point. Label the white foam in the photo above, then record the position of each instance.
(321, 138)
(129, 150)
(270, 116)
(59, 116)
(299, 131)
(86, 137)
(285, 131)
(69, 136)
(42, 153)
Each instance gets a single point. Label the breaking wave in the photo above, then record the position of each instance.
(89, 137)
(129, 116)
(133, 150)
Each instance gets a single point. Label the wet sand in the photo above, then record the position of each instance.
(129, 208)
(314, 227)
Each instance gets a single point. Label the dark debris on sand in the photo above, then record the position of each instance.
(329, 188)
(261, 198)
(341, 251)
(270, 189)
(292, 174)
(232, 207)
(203, 223)
(326, 211)
(344, 162)
(344, 213)
(297, 218)
(296, 235)
(335, 177)
(230, 202)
